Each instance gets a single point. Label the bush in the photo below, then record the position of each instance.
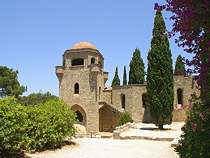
(38, 127)
(195, 140)
(125, 117)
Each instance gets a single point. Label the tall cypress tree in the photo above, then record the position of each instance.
(136, 73)
(160, 81)
(124, 76)
(116, 79)
(179, 66)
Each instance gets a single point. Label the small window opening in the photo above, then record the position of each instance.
(76, 88)
(123, 101)
(180, 96)
(79, 116)
(77, 62)
(92, 60)
(101, 66)
(64, 62)
(99, 93)
(144, 100)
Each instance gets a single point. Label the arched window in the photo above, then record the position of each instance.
(76, 88)
(92, 60)
(64, 62)
(180, 96)
(79, 116)
(123, 101)
(144, 100)
(78, 61)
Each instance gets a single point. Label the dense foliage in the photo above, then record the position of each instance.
(179, 66)
(125, 117)
(192, 22)
(34, 127)
(195, 140)
(136, 73)
(124, 76)
(9, 84)
(116, 79)
(36, 98)
(160, 82)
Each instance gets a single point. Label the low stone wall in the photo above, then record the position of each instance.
(118, 130)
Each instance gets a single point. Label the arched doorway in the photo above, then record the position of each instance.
(81, 115)
(108, 119)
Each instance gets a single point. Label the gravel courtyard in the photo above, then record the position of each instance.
(109, 148)
(116, 148)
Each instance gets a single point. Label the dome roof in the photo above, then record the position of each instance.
(82, 45)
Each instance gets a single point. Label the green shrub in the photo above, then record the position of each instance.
(38, 127)
(195, 140)
(125, 117)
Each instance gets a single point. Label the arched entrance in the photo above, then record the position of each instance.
(108, 119)
(81, 115)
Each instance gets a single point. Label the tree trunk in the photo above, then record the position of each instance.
(160, 126)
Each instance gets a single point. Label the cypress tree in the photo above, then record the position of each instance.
(179, 66)
(124, 76)
(136, 73)
(160, 81)
(116, 80)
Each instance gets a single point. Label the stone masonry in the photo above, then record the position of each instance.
(82, 86)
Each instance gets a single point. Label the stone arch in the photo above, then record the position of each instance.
(123, 101)
(180, 96)
(108, 119)
(77, 61)
(81, 114)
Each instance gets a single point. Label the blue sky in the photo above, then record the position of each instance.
(35, 33)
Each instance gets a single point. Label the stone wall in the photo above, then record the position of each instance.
(133, 99)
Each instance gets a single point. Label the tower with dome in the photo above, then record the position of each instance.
(82, 86)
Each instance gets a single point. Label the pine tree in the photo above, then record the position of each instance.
(179, 67)
(9, 84)
(116, 80)
(136, 73)
(124, 76)
(160, 82)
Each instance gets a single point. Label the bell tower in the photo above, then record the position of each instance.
(81, 82)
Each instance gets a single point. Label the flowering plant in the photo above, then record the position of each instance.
(192, 22)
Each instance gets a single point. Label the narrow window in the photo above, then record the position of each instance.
(123, 101)
(99, 93)
(76, 88)
(77, 62)
(92, 60)
(101, 66)
(64, 63)
(144, 100)
(79, 116)
(180, 96)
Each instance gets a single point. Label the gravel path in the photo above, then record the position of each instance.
(109, 148)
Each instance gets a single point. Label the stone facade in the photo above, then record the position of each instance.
(82, 86)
